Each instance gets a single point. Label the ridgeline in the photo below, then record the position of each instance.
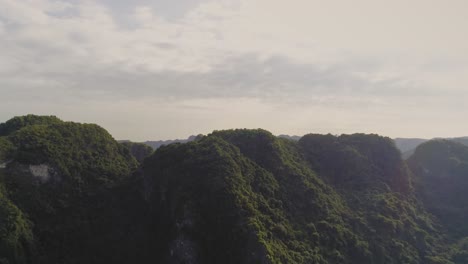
(70, 193)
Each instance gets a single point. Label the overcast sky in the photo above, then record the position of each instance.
(148, 70)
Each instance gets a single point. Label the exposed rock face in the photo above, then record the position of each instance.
(183, 250)
(40, 171)
(3, 164)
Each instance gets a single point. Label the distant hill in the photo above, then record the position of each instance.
(156, 144)
(441, 181)
(139, 151)
(295, 138)
(462, 140)
(407, 146)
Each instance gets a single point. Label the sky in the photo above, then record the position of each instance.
(150, 70)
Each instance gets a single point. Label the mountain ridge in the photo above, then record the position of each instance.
(70, 193)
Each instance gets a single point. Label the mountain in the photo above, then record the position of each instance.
(70, 193)
(408, 144)
(441, 168)
(461, 140)
(441, 175)
(295, 138)
(246, 196)
(139, 151)
(66, 194)
(157, 144)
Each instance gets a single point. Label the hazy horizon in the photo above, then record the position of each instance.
(158, 70)
(183, 137)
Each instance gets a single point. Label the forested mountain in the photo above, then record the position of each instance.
(64, 193)
(441, 170)
(461, 140)
(295, 138)
(408, 146)
(158, 143)
(70, 193)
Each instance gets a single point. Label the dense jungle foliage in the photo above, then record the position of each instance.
(70, 193)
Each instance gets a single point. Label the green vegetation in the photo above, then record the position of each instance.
(441, 170)
(70, 193)
(19, 122)
(15, 232)
(72, 149)
(357, 162)
(368, 172)
(6, 149)
(263, 190)
(139, 151)
(64, 178)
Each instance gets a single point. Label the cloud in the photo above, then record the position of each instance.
(274, 80)
(283, 57)
(304, 31)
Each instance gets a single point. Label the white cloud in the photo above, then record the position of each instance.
(305, 31)
(337, 58)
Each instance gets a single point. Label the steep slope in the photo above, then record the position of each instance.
(245, 196)
(16, 239)
(69, 193)
(310, 206)
(357, 162)
(441, 167)
(66, 180)
(461, 140)
(139, 151)
(220, 202)
(407, 146)
(441, 171)
(368, 172)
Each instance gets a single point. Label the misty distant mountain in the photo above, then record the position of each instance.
(155, 144)
(295, 138)
(407, 146)
(462, 140)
